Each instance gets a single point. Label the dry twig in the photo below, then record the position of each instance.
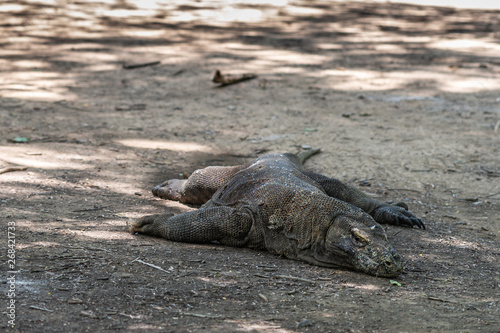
(140, 65)
(150, 265)
(12, 169)
(226, 80)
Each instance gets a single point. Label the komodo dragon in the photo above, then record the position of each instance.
(273, 203)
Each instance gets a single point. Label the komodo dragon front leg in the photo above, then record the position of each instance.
(396, 214)
(229, 226)
(199, 187)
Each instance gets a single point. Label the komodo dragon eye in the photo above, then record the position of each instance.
(359, 237)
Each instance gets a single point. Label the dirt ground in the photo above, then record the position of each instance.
(403, 100)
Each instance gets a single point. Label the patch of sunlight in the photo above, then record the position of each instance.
(480, 47)
(392, 48)
(361, 286)
(359, 79)
(11, 8)
(9, 53)
(226, 14)
(270, 59)
(168, 145)
(261, 2)
(20, 246)
(260, 327)
(477, 4)
(30, 76)
(144, 33)
(230, 14)
(29, 64)
(329, 46)
(33, 85)
(469, 85)
(93, 56)
(103, 234)
(182, 17)
(83, 47)
(118, 13)
(454, 82)
(17, 155)
(295, 10)
(117, 187)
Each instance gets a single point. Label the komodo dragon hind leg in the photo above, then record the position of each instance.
(199, 187)
(226, 225)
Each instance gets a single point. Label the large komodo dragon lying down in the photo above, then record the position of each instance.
(273, 203)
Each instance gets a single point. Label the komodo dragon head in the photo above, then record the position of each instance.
(358, 243)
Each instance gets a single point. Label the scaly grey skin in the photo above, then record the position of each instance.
(273, 203)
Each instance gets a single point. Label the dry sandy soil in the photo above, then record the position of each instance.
(403, 100)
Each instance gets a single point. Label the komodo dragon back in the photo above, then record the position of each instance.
(273, 203)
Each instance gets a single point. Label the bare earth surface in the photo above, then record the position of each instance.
(403, 100)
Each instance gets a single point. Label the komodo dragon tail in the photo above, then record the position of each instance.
(303, 156)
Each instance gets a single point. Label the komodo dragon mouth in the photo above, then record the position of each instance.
(275, 204)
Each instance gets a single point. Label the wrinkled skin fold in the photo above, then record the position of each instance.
(273, 203)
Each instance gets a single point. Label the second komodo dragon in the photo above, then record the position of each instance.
(273, 203)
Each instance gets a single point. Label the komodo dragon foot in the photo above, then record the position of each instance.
(397, 214)
(145, 225)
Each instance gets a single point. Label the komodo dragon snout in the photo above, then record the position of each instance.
(273, 203)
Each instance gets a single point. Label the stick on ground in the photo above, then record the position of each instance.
(12, 169)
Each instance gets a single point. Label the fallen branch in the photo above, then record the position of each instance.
(140, 65)
(432, 298)
(12, 169)
(226, 80)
